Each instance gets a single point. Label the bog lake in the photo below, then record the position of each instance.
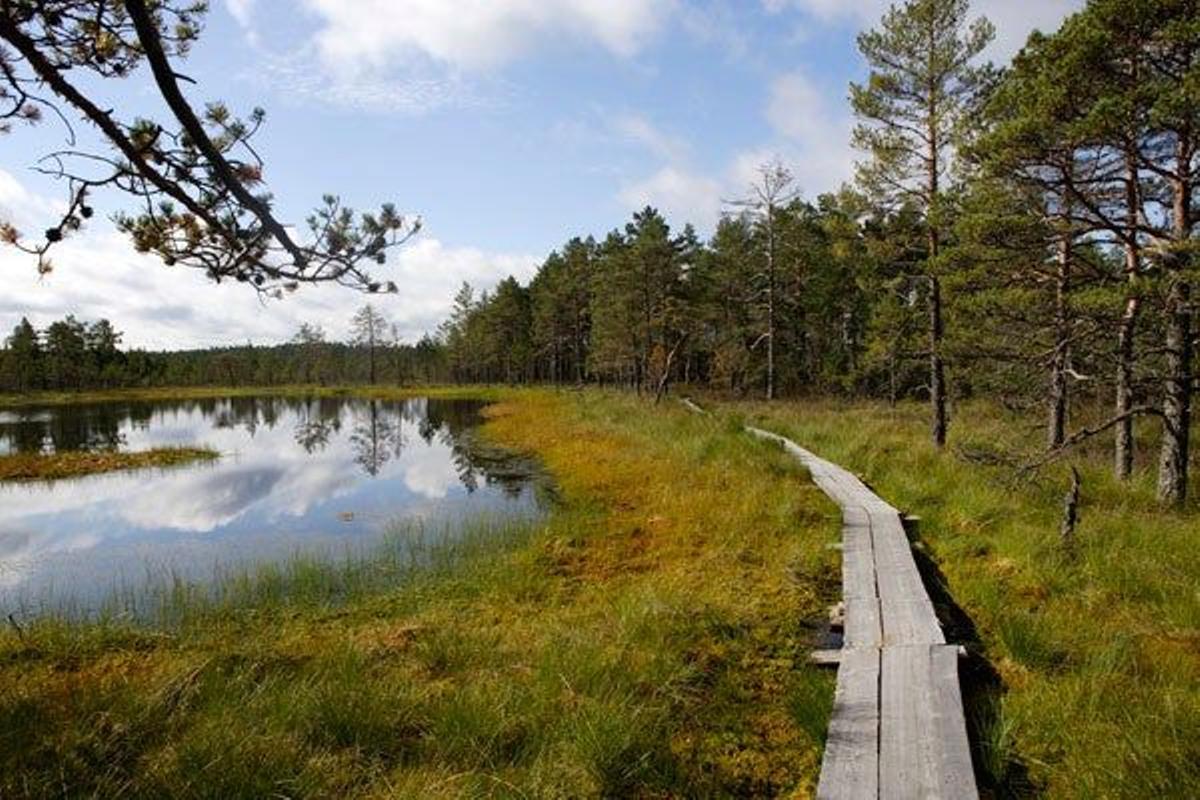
(325, 477)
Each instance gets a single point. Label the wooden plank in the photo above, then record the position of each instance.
(825, 658)
(850, 769)
(862, 627)
(908, 616)
(898, 728)
(923, 750)
(949, 728)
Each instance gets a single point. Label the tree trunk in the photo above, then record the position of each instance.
(1056, 432)
(937, 372)
(770, 302)
(1127, 332)
(1173, 458)
(1177, 400)
(1123, 453)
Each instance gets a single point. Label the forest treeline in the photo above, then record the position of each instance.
(71, 355)
(1023, 233)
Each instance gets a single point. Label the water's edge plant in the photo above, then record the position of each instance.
(647, 637)
(78, 463)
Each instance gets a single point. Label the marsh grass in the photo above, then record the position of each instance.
(1096, 649)
(646, 638)
(379, 392)
(73, 464)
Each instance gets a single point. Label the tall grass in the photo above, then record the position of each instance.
(1096, 649)
(73, 464)
(647, 638)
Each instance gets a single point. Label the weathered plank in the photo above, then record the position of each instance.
(898, 729)
(862, 627)
(908, 616)
(916, 735)
(923, 749)
(957, 778)
(850, 770)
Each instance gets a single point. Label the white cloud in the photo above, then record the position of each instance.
(22, 208)
(240, 10)
(810, 136)
(639, 130)
(1014, 21)
(681, 195)
(815, 133)
(303, 79)
(476, 34)
(719, 23)
(97, 274)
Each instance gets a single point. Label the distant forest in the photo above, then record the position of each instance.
(71, 355)
(1023, 233)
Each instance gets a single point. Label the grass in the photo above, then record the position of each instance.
(1096, 651)
(382, 392)
(648, 638)
(74, 464)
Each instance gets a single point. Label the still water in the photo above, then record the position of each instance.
(327, 476)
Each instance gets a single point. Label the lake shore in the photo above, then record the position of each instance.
(651, 634)
(76, 464)
(379, 392)
(612, 648)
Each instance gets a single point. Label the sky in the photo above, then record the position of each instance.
(509, 126)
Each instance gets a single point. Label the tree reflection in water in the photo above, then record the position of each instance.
(375, 438)
(319, 419)
(311, 474)
(376, 432)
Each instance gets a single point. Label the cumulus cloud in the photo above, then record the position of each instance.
(418, 91)
(476, 34)
(682, 195)
(814, 133)
(809, 134)
(240, 10)
(639, 130)
(97, 274)
(1014, 21)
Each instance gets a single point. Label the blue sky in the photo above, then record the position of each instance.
(509, 125)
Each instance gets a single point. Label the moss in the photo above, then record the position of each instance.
(1096, 689)
(381, 392)
(642, 640)
(74, 464)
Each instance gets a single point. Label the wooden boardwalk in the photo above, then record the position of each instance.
(898, 729)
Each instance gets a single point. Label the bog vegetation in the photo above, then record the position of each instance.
(610, 650)
(1009, 282)
(73, 464)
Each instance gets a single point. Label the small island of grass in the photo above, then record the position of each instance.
(74, 463)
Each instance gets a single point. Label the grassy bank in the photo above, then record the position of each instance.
(647, 639)
(74, 464)
(382, 392)
(1097, 649)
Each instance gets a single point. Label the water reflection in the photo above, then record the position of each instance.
(319, 474)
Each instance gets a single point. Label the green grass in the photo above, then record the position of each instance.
(74, 464)
(1096, 651)
(382, 392)
(647, 638)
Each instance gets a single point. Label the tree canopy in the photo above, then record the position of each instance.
(195, 179)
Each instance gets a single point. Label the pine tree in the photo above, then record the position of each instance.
(769, 195)
(369, 329)
(25, 358)
(922, 83)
